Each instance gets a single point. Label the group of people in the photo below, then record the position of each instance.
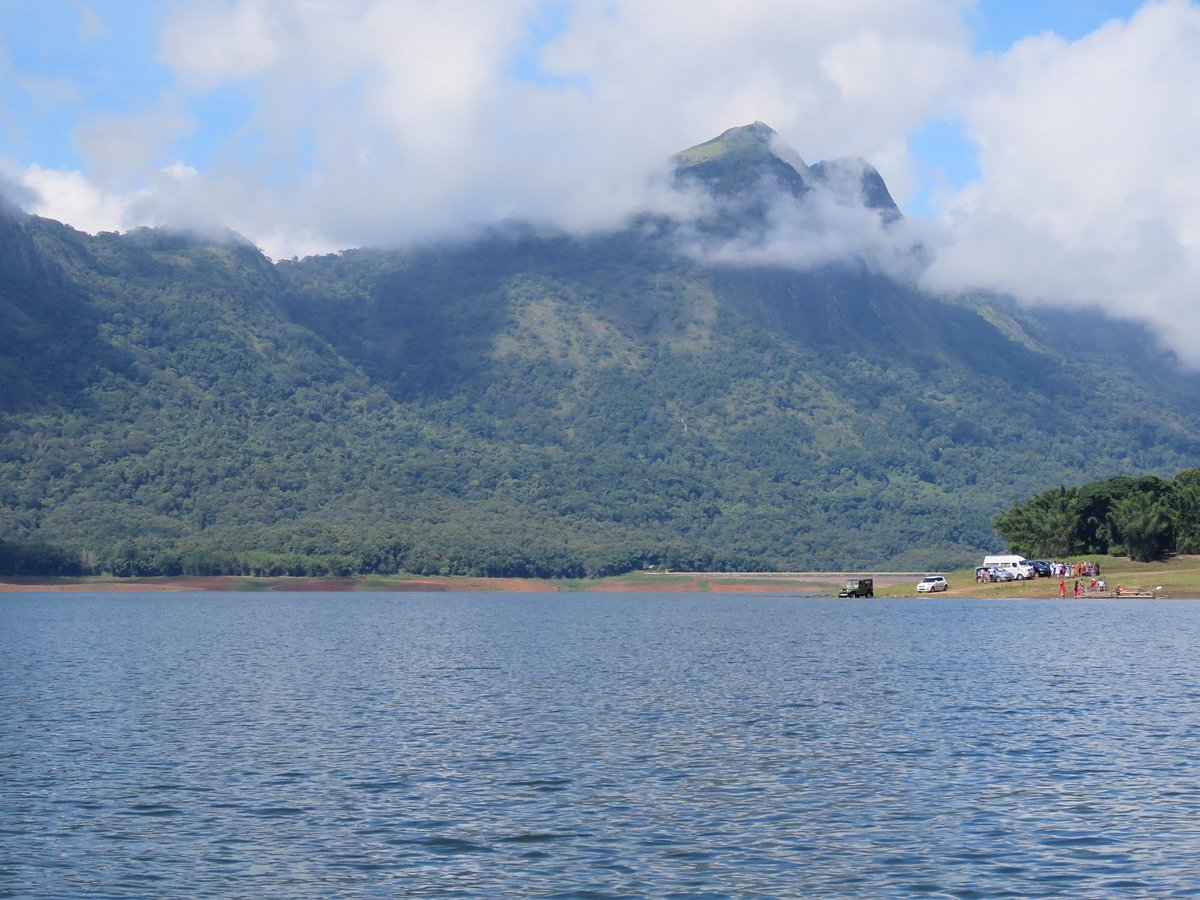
(1060, 570)
(1097, 584)
(1075, 570)
(1078, 570)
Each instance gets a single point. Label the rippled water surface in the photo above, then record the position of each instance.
(313, 745)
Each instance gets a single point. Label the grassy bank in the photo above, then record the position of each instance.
(1177, 577)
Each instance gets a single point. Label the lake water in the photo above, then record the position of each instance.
(593, 745)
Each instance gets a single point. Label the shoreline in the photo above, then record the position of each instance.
(418, 583)
(649, 582)
(1177, 578)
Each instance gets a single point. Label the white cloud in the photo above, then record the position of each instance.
(122, 149)
(13, 189)
(413, 124)
(1089, 189)
(833, 79)
(209, 42)
(818, 230)
(70, 197)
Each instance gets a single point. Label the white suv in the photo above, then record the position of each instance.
(931, 583)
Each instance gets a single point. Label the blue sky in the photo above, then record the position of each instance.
(998, 24)
(1048, 148)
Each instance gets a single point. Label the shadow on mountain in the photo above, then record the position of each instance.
(52, 334)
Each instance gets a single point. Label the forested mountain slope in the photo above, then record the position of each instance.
(530, 403)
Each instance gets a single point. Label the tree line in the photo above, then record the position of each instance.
(451, 558)
(1143, 517)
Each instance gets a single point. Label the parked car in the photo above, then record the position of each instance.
(1004, 575)
(1012, 561)
(931, 584)
(1041, 567)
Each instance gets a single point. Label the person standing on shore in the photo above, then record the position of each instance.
(1062, 588)
(1076, 588)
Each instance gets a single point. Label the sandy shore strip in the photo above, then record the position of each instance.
(742, 582)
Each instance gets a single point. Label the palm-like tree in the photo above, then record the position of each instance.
(1144, 523)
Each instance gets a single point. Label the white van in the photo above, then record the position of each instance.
(1015, 564)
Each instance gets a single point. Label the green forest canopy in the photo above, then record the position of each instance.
(532, 404)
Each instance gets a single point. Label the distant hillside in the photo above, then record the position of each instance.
(539, 404)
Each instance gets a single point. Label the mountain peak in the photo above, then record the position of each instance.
(855, 180)
(756, 131)
(753, 141)
(739, 159)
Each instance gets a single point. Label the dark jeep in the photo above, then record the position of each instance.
(858, 587)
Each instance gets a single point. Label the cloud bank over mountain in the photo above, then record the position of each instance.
(372, 122)
(756, 202)
(1089, 188)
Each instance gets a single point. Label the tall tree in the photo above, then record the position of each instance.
(1144, 523)
(1042, 526)
(1187, 511)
